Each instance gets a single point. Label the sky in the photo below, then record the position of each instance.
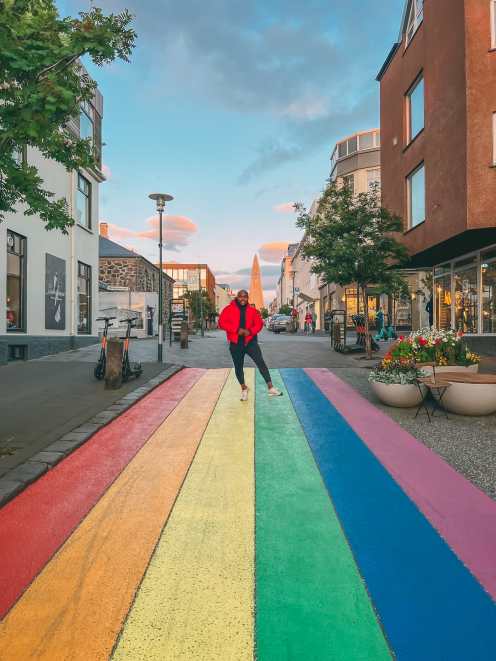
(233, 107)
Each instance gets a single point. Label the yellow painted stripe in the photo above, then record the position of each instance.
(75, 608)
(196, 600)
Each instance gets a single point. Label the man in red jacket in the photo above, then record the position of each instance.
(242, 324)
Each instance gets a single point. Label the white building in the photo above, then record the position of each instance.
(50, 289)
(223, 296)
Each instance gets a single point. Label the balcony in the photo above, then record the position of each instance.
(359, 142)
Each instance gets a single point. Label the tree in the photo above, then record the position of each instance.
(285, 309)
(351, 238)
(199, 305)
(264, 312)
(42, 86)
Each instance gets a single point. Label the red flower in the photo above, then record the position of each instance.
(402, 337)
(422, 341)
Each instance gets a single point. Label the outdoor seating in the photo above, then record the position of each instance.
(437, 386)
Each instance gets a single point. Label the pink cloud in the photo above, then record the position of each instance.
(107, 172)
(285, 207)
(273, 252)
(177, 231)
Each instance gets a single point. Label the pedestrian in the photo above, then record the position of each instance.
(314, 322)
(242, 323)
(308, 322)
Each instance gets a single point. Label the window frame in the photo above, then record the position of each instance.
(492, 13)
(22, 328)
(375, 181)
(409, 181)
(88, 280)
(347, 177)
(408, 100)
(414, 20)
(88, 196)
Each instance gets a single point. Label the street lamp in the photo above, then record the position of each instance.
(160, 199)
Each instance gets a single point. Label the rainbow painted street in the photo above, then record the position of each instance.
(195, 526)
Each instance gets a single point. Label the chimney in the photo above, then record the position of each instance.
(104, 230)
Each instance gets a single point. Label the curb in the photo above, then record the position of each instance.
(18, 478)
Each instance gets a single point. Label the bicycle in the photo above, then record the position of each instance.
(99, 370)
(129, 369)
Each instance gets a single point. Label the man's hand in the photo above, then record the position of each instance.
(243, 332)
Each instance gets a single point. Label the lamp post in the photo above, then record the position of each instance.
(202, 332)
(160, 199)
(293, 317)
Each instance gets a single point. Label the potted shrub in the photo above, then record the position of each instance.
(444, 348)
(394, 382)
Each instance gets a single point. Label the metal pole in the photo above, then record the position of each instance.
(160, 301)
(201, 302)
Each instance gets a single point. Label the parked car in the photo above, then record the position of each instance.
(279, 323)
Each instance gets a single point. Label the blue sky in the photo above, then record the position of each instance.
(233, 107)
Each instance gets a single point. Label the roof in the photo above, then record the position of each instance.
(108, 248)
(394, 48)
(112, 250)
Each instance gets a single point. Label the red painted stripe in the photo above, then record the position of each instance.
(462, 514)
(36, 523)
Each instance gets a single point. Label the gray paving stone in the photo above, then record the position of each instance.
(88, 428)
(49, 458)
(104, 417)
(65, 447)
(77, 437)
(9, 489)
(27, 472)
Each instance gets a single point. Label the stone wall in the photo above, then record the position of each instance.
(137, 274)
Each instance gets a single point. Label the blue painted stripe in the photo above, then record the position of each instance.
(431, 607)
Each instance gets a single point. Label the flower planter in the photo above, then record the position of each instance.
(470, 398)
(399, 395)
(452, 368)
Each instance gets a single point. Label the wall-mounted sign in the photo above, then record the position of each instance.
(54, 293)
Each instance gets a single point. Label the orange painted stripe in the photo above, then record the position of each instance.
(75, 608)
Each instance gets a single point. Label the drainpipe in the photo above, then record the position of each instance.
(72, 258)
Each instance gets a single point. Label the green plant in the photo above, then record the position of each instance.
(285, 309)
(264, 312)
(42, 87)
(351, 239)
(395, 372)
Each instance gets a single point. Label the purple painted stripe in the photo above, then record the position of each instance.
(464, 516)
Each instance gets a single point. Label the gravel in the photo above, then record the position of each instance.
(467, 443)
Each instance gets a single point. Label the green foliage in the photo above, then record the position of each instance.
(351, 240)
(285, 309)
(42, 86)
(264, 312)
(199, 304)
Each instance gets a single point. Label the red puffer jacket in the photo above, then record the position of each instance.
(229, 321)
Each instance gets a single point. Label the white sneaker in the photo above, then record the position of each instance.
(274, 392)
(244, 395)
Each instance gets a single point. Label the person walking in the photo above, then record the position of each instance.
(308, 322)
(242, 323)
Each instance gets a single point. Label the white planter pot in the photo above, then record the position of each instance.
(396, 394)
(452, 368)
(470, 398)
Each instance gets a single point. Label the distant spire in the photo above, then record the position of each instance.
(256, 291)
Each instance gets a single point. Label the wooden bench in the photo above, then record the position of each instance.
(467, 377)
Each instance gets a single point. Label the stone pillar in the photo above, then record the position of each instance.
(113, 366)
(184, 335)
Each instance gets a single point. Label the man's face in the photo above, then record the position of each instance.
(242, 298)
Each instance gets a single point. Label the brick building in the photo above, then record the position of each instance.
(438, 135)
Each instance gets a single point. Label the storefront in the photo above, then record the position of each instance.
(465, 293)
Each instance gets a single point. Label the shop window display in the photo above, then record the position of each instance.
(489, 297)
(16, 281)
(466, 299)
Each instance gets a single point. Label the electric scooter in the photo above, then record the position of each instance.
(129, 369)
(99, 370)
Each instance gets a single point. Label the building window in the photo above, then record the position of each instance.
(494, 138)
(16, 281)
(86, 127)
(366, 141)
(416, 197)
(373, 178)
(20, 155)
(349, 182)
(493, 23)
(488, 270)
(415, 109)
(83, 202)
(84, 298)
(415, 18)
(443, 301)
(466, 297)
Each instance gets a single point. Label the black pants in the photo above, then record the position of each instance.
(238, 353)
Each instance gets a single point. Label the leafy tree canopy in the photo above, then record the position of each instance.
(285, 309)
(42, 86)
(200, 304)
(264, 312)
(351, 240)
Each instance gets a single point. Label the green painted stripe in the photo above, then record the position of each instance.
(311, 602)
